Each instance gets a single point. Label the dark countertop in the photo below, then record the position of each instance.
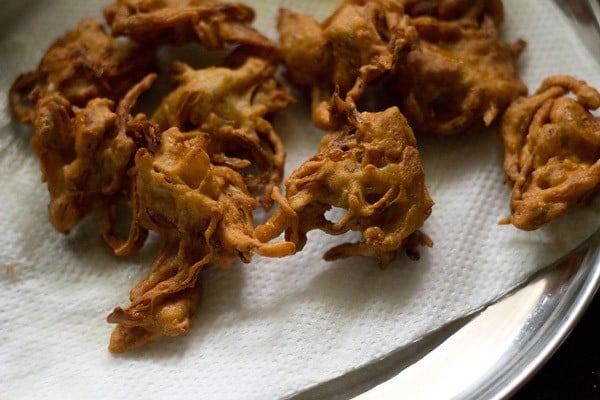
(573, 372)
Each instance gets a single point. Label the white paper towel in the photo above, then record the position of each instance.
(274, 327)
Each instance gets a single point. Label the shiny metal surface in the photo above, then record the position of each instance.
(489, 355)
(584, 16)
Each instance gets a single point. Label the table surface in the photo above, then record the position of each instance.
(573, 372)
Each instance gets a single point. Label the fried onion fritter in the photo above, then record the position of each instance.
(212, 22)
(443, 59)
(232, 104)
(355, 46)
(372, 169)
(552, 151)
(460, 78)
(204, 213)
(85, 152)
(451, 10)
(84, 64)
(156, 312)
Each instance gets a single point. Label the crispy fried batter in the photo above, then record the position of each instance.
(204, 214)
(232, 105)
(451, 76)
(372, 169)
(552, 151)
(212, 22)
(450, 10)
(84, 64)
(460, 78)
(152, 315)
(85, 152)
(350, 49)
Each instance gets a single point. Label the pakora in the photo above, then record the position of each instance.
(213, 23)
(450, 10)
(443, 60)
(552, 151)
(460, 78)
(232, 105)
(370, 168)
(86, 63)
(355, 46)
(85, 152)
(204, 213)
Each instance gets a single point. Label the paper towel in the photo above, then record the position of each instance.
(274, 327)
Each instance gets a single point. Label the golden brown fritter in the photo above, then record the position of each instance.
(552, 151)
(212, 23)
(460, 78)
(449, 10)
(84, 64)
(85, 152)
(204, 214)
(232, 105)
(372, 169)
(356, 45)
(151, 314)
(451, 72)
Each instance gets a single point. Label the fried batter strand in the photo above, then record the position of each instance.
(372, 169)
(459, 79)
(212, 22)
(204, 213)
(350, 49)
(85, 152)
(232, 105)
(552, 151)
(84, 64)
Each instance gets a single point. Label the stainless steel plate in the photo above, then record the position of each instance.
(489, 355)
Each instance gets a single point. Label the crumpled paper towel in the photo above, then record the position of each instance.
(274, 327)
